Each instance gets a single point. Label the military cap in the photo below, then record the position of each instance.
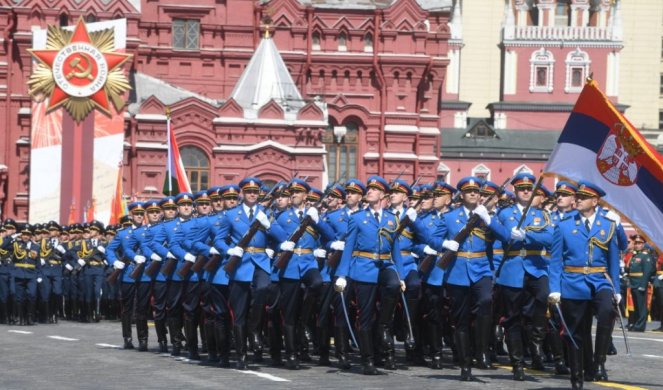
(543, 191)
(168, 202)
(426, 190)
(400, 185)
(54, 226)
(299, 185)
(488, 188)
(250, 183)
(97, 225)
(9, 224)
(152, 205)
(126, 220)
(336, 191)
(416, 193)
(314, 195)
(26, 228)
(355, 185)
(136, 207)
(377, 182)
(565, 188)
(589, 189)
(230, 191)
(443, 188)
(469, 183)
(523, 179)
(201, 197)
(111, 229)
(281, 189)
(638, 237)
(214, 193)
(184, 198)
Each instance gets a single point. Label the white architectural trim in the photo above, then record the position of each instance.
(522, 168)
(371, 155)
(275, 122)
(481, 170)
(151, 145)
(541, 58)
(576, 59)
(269, 143)
(151, 117)
(404, 156)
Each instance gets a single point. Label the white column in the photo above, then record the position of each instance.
(510, 72)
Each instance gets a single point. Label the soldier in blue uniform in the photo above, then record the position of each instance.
(156, 237)
(372, 258)
(586, 284)
(110, 296)
(469, 276)
(296, 303)
(524, 275)
(250, 280)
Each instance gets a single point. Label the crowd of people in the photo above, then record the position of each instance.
(282, 272)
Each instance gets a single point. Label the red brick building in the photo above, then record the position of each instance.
(339, 88)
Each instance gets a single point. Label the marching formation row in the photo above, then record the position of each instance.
(367, 261)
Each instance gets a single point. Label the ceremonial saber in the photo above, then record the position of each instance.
(566, 328)
(619, 313)
(347, 320)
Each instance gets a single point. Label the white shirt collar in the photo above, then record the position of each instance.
(247, 209)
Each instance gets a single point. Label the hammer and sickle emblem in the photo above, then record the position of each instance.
(83, 72)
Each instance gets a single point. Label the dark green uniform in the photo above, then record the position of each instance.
(658, 290)
(640, 270)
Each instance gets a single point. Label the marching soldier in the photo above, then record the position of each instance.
(640, 270)
(585, 284)
(6, 267)
(372, 258)
(25, 256)
(249, 282)
(52, 271)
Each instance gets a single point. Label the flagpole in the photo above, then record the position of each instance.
(170, 157)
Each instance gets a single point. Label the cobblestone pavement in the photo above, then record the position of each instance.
(72, 355)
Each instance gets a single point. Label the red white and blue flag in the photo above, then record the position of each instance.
(600, 145)
(176, 180)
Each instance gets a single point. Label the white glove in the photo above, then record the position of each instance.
(412, 214)
(118, 265)
(659, 277)
(236, 251)
(614, 217)
(320, 253)
(430, 251)
(554, 298)
(451, 245)
(262, 218)
(618, 298)
(60, 249)
(337, 245)
(313, 213)
(482, 212)
(416, 256)
(287, 246)
(213, 251)
(43, 262)
(517, 234)
(101, 249)
(155, 257)
(402, 286)
(69, 267)
(39, 280)
(189, 257)
(270, 252)
(340, 284)
(170, 255)
(139, 259)
(81, 262)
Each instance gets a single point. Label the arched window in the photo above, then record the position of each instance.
(562, 11)
(481, 171)
(443, 172)
(315, 41)
(577, 68)
(368, 42)
(342, 42)
(541, 71)
(523, 169)
(196, 166)
(341, 145)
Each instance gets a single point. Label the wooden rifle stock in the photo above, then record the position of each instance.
(168, 267)
(333, 259)
(138, 270)
(234, 261)
(153, 268)
(112, 278)
(285, 256)
(200, 263)
(188, 266)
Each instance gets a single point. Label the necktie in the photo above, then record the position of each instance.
(587, 224)
(377, 216)
(398, 214)
(301, 215)
(251, 214)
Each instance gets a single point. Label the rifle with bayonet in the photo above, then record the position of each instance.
(427, 261)
(284, 257)
(462, 235)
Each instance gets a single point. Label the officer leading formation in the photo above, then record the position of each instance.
(249, 271)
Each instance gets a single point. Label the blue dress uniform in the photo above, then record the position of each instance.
(523, 278)
(25, 255)
(250, 281)
(468, 278)
(584, 269)
(110, 296)
(156, 237)
(372, 258)
(302, 269)
(165, 245)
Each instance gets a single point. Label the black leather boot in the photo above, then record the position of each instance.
(30, 313)
(514, 342)
(291, 358)
(4, 318)
(222, 337)
(240, 347)
(45, 313)
(385, 320)
(210, 336)
(366, 351)
(462, 339)
(302, 337)
(340, 343)
(557, 349)
(483, 328)
(142, 333)
(323, 345)
(126, 331)
(162, 335)
(255, 334)
(535, 335)
(275, 340)
(191, 334)
(435, 345)
(176, 337)
(576, 365)
(602, 343)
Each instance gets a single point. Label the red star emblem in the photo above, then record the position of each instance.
(80, 70)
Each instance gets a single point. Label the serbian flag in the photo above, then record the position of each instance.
(176, 180)
(600, 145)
